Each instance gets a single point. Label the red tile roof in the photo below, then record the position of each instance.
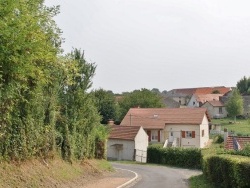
(242, 140)
(216, 103)
(209, 90)
(201, 90)
(207, 97)
(123, 132)
(157, 118)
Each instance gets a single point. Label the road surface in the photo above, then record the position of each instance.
(153, 176)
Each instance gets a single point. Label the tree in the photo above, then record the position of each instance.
(105, 102)
(143, 98)
(156, 90)
(234, 105)
(30, 42)
(243, 85)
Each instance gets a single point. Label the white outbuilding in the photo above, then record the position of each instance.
(127, 143)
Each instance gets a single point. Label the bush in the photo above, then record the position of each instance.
(187, 158)
(227, 171)
(219, 139)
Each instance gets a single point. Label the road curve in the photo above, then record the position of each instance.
(158, 176)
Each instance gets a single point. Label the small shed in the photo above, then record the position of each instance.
(127, 143)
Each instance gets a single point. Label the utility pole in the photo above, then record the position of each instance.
(130, 118)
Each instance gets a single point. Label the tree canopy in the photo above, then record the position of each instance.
(106, 105)
(234, 105)
(243, 85)
(143, 98)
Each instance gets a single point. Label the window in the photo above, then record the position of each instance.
(202, 133)
(154, 135)
(220, 110)
(188, 134)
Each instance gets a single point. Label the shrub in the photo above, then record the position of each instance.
(188, 158)
(219, 139)
(227, 171)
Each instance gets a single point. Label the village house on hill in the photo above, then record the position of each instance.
(176, 127)
(183, 96)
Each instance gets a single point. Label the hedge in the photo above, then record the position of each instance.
(227, 171)
(180, 157)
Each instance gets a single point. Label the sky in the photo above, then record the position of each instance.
(164, 44)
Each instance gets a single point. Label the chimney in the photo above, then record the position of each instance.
(111, 122)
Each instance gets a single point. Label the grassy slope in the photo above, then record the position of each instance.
(242, 126)
(56, 173)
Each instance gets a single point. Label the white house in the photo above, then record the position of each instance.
(198, 100)
(216, 109)
(127, 143)
(178, 127)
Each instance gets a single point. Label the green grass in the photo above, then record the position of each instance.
(241, 127)
(199, 182)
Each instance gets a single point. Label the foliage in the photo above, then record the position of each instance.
(200, 181)
(227, 171)
(45, 106)
(234, 105)
(106, 105)
(30, 42)
(243, 85)
(181, 157)
(219, 139)
(143, 98)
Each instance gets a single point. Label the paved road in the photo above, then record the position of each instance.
(159, 176)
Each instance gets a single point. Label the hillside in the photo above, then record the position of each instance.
(55, 173)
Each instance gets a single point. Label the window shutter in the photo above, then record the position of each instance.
(193, 134)
(159, 133)
(183, 134)
(149, 135)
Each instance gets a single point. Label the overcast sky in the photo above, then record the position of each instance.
(162, 44)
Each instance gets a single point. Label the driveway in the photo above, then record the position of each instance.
(158, 176)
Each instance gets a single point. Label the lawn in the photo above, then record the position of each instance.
(241, 127)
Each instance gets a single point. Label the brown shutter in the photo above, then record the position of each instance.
(193, 134)
(183, 134)
(159, 139)
(149, 135)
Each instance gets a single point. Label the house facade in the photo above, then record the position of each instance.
(179, 127)
(183, 95)
(197, 100)
(127, 143)
(216, 109)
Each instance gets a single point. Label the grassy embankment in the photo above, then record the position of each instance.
(54, 173)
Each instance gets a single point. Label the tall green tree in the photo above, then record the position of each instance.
(143, 98)
(78, 115)
(106, 105)
(234, 105)
(243, 85)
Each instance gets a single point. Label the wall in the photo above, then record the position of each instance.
(214, 111)
(127, 152)
(141, 144)
(190, 142)
(191, 101)
(204, 126)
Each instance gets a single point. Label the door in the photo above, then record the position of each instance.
(171, 136)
